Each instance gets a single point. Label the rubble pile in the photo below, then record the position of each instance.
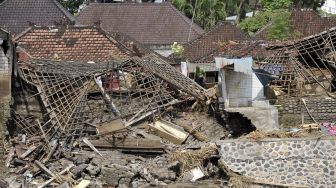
(132, 124)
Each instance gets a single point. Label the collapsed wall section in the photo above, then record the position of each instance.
(306, 162)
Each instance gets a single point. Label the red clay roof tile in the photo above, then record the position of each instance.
(71, 43)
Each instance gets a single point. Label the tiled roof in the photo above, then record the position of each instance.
(15, 15)
(71, 43)
(306, 22)
(209, 42)
(137, 48)
(148, 23)
(256, 49)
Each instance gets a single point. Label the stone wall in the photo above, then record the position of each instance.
(321, 108)
(301, 162)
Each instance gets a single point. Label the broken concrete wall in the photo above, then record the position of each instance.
(321, 108)
(300, 162)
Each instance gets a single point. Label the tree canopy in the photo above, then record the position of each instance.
(275, 16)
(209, 12)
(72, 5)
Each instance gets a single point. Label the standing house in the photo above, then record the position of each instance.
(17, 15)
(155, 25)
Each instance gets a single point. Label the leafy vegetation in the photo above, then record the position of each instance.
(280, 27)
(275, 16)
(313, 4)
(72, 5)
(183, 6)
(209, 12)
(177, 49)
(276, 4)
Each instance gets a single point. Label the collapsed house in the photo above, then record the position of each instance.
(58, 105)
(140, 122)
(305, 72)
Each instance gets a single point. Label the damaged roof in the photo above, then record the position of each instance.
(17, 14)
(305, 22)
(148, 23)
(210, 41)
(71, 43)
(256, 49)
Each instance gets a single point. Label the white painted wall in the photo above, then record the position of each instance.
(242, 88)
(241, 85)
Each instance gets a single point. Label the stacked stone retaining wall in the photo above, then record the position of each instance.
(305, 162)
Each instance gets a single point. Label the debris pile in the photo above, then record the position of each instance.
(122, 124)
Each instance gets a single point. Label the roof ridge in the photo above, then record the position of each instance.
(219, 24)
(198, 29)
(64, 11)
(17, 37)
(3, 2)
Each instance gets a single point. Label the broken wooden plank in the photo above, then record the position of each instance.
(44, 168)
(28, 152)
(53, 178)
(106, 97)
(144, 116)
(51, 152)
(87, 142)
(111, 127)
(132, 145)
(169, 131)
(10, 156)
(199, 136)
(18, 149)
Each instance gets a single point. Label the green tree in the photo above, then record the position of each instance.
(184, 6)
(72, 5)
(313, 4)
(254, 24)
(276, 4)
(275, 16)
(280, 28)
(209, 12)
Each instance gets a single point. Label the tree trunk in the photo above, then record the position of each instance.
(255, 7)
(240, 11)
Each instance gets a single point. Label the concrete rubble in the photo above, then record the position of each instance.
(142, 123)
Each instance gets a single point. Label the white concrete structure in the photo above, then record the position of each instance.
(240, 85)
